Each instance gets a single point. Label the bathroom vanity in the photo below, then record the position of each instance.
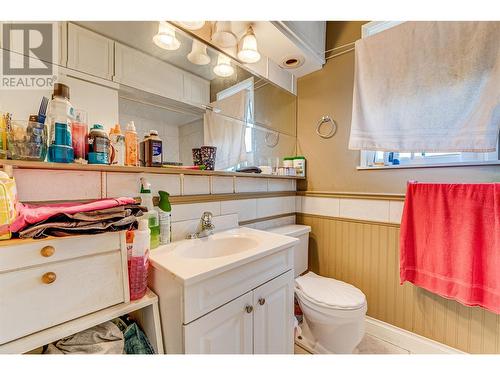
(229, 293)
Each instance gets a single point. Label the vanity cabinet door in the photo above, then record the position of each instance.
(273, 316)
(227, 330)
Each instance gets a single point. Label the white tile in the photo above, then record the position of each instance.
(181, 229)
(182, 212)
(298, 203)
(246, 209)
(250, 184)
(275, 206)
(395, 211)
(320, 206)
(195, 185)
(222, 185)
(46, 185)
(275, 184)
(129, 184)
(364, 209)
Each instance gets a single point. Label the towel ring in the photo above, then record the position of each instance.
(324, 120)
(270, 142)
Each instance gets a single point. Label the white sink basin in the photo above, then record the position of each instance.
(191, 260)
(214, 247)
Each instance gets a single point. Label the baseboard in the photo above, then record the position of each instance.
(410, 341)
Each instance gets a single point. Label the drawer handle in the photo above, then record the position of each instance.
(49, 277)
(47, 251)
(262, 301)
(248, 308)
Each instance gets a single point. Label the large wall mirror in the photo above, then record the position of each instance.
(251, 121)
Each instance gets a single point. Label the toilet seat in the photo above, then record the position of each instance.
(329, 293)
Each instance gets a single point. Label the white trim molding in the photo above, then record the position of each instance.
(410, 341)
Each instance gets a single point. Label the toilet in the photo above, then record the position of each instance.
(334, 311)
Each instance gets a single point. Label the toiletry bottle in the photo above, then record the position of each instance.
(117, 141)
(152, 214)
(79, 133)
(153, 150)
(165, 216)
(139, 261)
(142, 150)
(131, 145)
(60, 115)
(98, 145)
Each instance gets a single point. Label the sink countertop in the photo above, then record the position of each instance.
(192, 270)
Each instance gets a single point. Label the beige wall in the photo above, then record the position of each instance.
(366, 256)
(331, 166)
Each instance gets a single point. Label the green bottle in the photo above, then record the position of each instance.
(152, 214)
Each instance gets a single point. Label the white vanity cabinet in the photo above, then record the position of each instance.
(258, 322)
(240, 310)
(90, 52)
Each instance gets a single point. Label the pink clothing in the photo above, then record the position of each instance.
(31, 214)
(450, 241)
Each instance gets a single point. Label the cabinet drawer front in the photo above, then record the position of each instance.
(38, 252)
(30, 302)
(227, 330)
(207, 295)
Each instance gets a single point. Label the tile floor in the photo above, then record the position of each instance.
(369, 345)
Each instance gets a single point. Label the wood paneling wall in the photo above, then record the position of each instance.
(367, 255)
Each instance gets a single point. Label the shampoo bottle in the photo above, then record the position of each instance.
(139, 261)
(131, 146)
(152, 214)
(165, 216)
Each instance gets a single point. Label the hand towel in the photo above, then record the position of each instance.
(450, 241)
(428, 86)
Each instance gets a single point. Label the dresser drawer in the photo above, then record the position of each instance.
(27, 253)
(30, 300)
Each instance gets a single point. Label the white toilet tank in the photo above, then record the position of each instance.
(301, 232)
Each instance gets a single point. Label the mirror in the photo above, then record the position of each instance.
(251, 121)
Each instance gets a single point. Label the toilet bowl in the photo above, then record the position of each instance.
(334, 311)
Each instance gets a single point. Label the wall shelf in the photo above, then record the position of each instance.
(111, 168)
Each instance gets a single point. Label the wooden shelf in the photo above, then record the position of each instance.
(38, 339)
(111, 168)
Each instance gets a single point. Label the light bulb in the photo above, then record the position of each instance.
(165, 38)
(223, 67)
(198, 54)
(192, 25)
(248, 52)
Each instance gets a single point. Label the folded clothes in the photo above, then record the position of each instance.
(92, 222)
(32, 214)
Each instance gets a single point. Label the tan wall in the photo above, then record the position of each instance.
(366, 255)
(331, 166)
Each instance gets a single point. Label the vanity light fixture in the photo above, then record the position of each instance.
(248, 52)
(165, 38)
(192, 25)
(223, 67)
(198, 54)
(223, 36)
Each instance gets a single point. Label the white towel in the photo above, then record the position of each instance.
(428, 86)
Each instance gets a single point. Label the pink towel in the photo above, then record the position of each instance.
(450, 241)
(31, 214)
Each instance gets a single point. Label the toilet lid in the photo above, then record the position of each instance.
(330, 292)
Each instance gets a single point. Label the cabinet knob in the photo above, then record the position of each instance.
(262, 301)
(248, 308)
(49, 277)
(47, 251)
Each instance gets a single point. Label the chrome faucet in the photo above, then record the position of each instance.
(206, 227)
